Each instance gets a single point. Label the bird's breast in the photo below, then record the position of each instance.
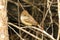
(23, 20)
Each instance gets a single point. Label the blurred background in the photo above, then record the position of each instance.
(43, 11)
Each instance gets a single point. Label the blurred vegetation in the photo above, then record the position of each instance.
(14, 12)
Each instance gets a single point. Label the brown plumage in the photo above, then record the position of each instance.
(27, 19)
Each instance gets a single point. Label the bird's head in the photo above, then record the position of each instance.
(24, 13)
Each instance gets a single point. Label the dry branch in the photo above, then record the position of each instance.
(24, 31)
(32, 34)
(59, 19)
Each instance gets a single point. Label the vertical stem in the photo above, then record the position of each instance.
(19, 19)
(59, 19)
(3, 20)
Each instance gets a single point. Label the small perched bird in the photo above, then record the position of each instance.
(28, 20)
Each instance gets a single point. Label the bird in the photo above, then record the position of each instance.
(28, 20)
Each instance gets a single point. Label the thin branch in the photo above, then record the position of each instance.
(55, 22)
(21, 6)
(12, 16)
(24, 31)
(16, 33)
(46, 13)
(50, 16)
(32, 34)
(59, 19)
(44, 33)
(13, 2)
(33, 5)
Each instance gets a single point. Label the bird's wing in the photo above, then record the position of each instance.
(31, 20)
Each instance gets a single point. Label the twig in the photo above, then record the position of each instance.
(13, 2)
(46, 13)
(16, 33)
(59, 19)
(24, 31)
(32, 34)
(12, 16)
(56, 23)
(44, 33)
(50, 16)
(33, 5)
(21, 6)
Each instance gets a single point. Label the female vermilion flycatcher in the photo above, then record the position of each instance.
(27, 19)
